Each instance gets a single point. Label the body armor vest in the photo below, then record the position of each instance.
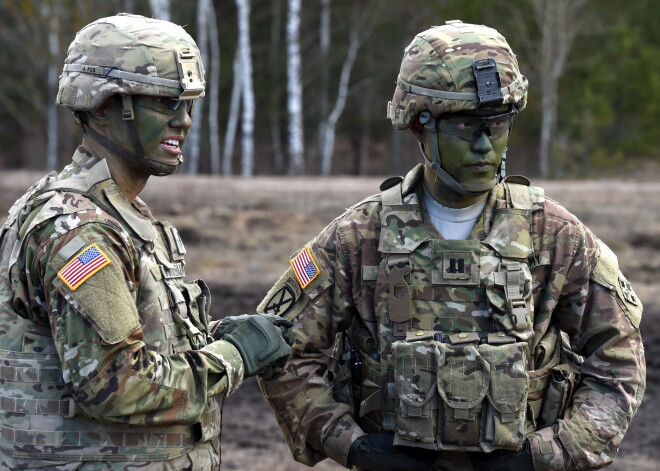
(448, 371)
(38, 416)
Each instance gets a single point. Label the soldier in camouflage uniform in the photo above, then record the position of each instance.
(459, 320)
(109, 359)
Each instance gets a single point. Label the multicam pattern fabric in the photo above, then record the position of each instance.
(129, 43)
(441, 58)
(122, 369)
(568, 280)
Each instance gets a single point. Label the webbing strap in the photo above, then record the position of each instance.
(29, 374)
(65, 408)
(514, 296)
(104, 71)
(445, 95)
(72, 439)
(177, 302)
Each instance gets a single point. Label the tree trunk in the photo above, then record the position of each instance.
(275, 131)
(324, 49)
(53, 66)
(559, 23)
(195, 134)
(160, 9)
(214, 91)
(328, 138)
(294, 90)
(247, 92)
(232, 116)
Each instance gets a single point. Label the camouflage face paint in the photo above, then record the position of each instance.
(162, 124)
(472, 161)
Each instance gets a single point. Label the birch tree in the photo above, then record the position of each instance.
(213, 84)
(328, 136)
(160, 9)
(53, 66)
(294, 90)
(232, 116)
(275, 132)
(247, 91)
(202, 43)
(362, 23)
(324, 63)
(559, 22)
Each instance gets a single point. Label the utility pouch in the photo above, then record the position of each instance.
(563, 379)
(463, 378)
(504, 426)
(339, 370)
(416, 366)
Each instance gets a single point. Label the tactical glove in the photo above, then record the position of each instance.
(504, 460)
(375, 452)
(260, 342)
(228, 324)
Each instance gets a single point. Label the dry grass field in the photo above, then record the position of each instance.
(240, 232)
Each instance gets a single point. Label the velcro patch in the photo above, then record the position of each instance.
(305, 267)
(88, 261)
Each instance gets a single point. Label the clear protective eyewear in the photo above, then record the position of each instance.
(470, 127)
(163, 104)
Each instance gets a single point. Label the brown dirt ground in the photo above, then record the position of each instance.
(240, 232)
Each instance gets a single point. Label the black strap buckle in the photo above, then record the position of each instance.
(489, 88)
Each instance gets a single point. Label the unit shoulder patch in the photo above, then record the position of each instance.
(81, 267)
(607, 273)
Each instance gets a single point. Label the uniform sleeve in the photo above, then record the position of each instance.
(113, 377)
(315, 425)
(599, 310)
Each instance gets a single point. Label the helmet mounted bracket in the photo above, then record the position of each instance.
(487, 79)
(190, 73)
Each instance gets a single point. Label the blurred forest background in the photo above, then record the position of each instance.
(299, 87)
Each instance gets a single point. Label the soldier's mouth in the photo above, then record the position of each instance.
(481, 166)
(171, 145)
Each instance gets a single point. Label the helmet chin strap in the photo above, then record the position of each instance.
(434, 162)
(155, 166)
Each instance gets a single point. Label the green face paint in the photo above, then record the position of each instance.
(162, 124)
(472, 161)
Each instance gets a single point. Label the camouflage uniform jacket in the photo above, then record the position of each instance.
(113, 363)
(575, 287)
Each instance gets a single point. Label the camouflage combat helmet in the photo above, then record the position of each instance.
(129, 55)
(455, 68)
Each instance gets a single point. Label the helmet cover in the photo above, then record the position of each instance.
(437, 72)
(129, 55)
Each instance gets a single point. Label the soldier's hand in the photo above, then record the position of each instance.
(504, 460)
(375, 452)
(228, 324)
(260, 339)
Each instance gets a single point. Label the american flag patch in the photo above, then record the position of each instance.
(82, 266)
(305, 267)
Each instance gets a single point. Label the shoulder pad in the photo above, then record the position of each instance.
(60, 204)
(521, 180)
(390, 182)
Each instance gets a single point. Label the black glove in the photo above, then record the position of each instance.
(505, 460)
(260, 341)
(375, 452)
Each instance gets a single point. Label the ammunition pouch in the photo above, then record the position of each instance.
(458, 394)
